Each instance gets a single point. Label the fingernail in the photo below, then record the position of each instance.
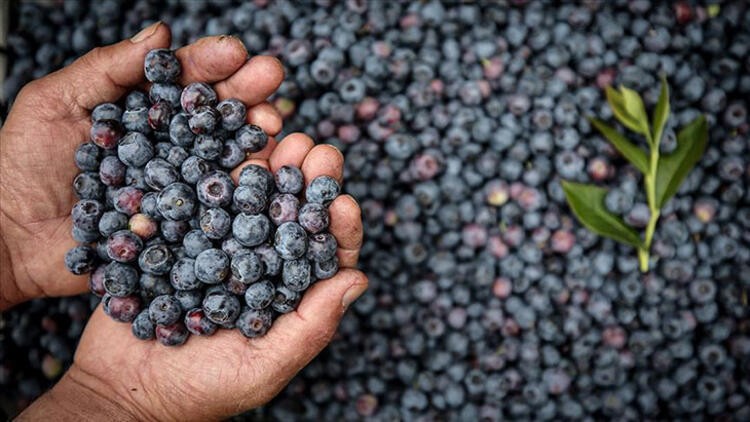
(146, 32)
(353, 293)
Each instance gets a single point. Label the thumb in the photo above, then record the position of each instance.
(106, 73)
(296, 338)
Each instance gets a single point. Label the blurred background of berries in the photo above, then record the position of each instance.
(457, 122)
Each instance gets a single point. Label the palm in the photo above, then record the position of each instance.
(38, 146)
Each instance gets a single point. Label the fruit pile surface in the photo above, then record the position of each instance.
(487, 299)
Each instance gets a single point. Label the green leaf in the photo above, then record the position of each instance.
(661, 112)
(587, 203)
(630, 151)
(674, 167)
(617, 104)
(637, 111)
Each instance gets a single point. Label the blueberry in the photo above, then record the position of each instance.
(161, 66)
(176, 156)
(88, 157)
(106, 111)
(289, 179)
(297, 274)
(156, 259)
(249, 200)
(322, 190)
(120, 279)
(136, 120)
(253, 175)
(196, 95)
(215, 189)
(86, 214)
(321, 247)
(189, 299)
(124, 246)
(197, 323)
(232, 112)
(260, 295)
(127, 200)
(96, 281)
(172, 335)
(122, 309)
(179, 131)
(212, 266)
(204, 120)
(106, 133)
(638, 216)
(221, 308)
(247, 267)
(271, 260)
(231, 155)
(313, 217)
(215, 223)
(136, 99)
(285, 300)
(195, 242)
(112, 171)
(143, 328)
(326, 269)
(173, 231)
(251, 230)
(165, 310)
(160, 115)
(112, 221)
(290, 240)
(283, 208)
(153, 285)
(80, 260)
(87, 185)
(251, 138)
(193, 168)
(254, 323)
(159, 173)
(177, 202)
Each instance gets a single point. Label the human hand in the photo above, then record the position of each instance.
(207, 378)
(52, 116)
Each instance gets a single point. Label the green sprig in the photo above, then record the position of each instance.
(662, 175)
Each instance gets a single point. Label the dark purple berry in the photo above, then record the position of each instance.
(233, 113)
(221, 308)
(253, 175)
(232, 155)
(173, 231)
(289, 179)
(165, 92)
(215, 223)
(112, 171)
(120, 279)
(247, 267)
(249, 200)
(215, 189)
(182, 275)
(122, 309)
(321, 247)
(193, 168)
(271, 260)
(86, 214)
(322, 190)
(161, 66)
(172, 335)
(127, 200)
(80, 260)
(88, 157)
(106, 133)
(112, 221)
(254, 323)
(259, 295)
(313, 217)
(177, 202)
(290, 241)
(297, 274)
(251, 138)
(207, 146)
(106, 111)
(197, 323)
(135, 149)
(88, 185)
(212, 266)
(124, 246)
(283, 208)
(156, 259)
(159, 116)
(143, 328)
(165, 310)
(285, 300)
(204, 120)
(326, 269)
(196, 95)
(195, 242)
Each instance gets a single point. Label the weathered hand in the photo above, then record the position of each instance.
(207, 378)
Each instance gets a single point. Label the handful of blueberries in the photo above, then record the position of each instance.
(173, 246)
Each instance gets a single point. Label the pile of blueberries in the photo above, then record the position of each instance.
(487, 299)
(172, 246)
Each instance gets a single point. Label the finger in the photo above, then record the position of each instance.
(255, 81)
(266, 116)
(106, 73)
(323, 160)
(291, 151)
(257, 161)
(346, 227)
(296, 338)
(211, 59)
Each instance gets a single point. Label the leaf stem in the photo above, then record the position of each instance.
(650, 184)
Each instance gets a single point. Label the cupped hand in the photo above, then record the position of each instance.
(52, 116)
(113, 372)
